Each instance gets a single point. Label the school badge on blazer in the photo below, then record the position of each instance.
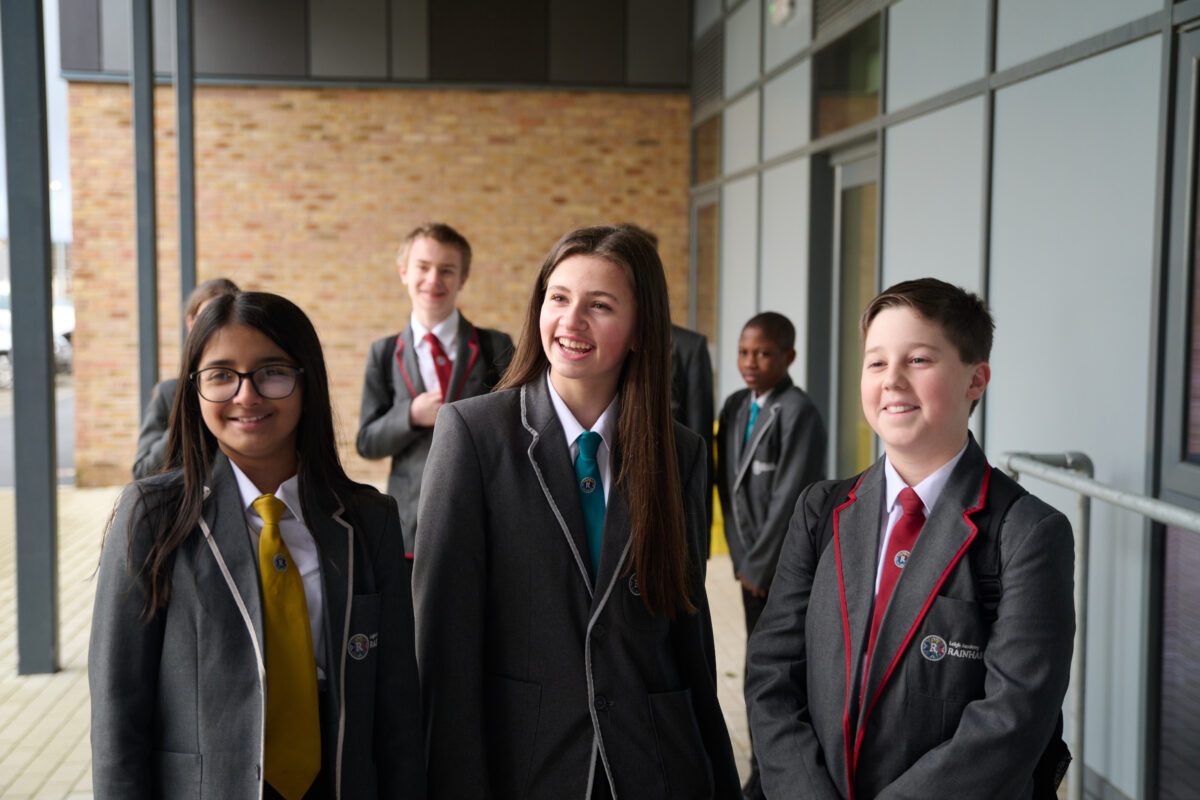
(359, 645)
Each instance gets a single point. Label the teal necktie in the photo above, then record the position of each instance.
(591, 492)
(753, 419)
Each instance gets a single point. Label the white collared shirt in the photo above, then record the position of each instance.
(300, 544)
(606, 426)
(929, 490)
(446, 332)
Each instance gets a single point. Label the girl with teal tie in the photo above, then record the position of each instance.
(563, 634)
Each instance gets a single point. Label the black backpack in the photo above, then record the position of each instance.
(984, 553)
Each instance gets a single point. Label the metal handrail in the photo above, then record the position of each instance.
(1058, 468)
(1061, 469)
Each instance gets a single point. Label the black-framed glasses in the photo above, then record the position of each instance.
(221, 384)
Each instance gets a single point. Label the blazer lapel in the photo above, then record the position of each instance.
(407, 366)
(856, 534)
(942, 543)
(614, 549)
(228, 533)
(335, 542)
(551, 459)
(465, 356)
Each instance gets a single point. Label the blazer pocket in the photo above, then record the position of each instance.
(177, 775)
(687, 771)
(512, 709)
(945, 660)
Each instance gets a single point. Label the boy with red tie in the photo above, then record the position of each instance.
(881, 667)
(439, 357)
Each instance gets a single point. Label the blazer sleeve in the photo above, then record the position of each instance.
(384, 427)
(501, 348)
(123, 662)
(449, 587)
(725, 466)
(790, 759)
(801, 463)
(152, 439)
(693, 639)
(1028, 662)
(399, 733)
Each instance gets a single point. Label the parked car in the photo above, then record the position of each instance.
(63, 325)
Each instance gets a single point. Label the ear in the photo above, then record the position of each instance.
(791, 356)
(401, 268)
(980, 376)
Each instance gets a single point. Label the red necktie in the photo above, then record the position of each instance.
(441, 363)
(903, 538)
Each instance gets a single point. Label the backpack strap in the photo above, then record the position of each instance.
(385, 363)
(1002, 492)
(838, 494)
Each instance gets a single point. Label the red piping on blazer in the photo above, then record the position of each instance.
(852, 765)
(837, 551)
(473, 344)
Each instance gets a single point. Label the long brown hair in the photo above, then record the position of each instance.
(647, 466)
(173, 503)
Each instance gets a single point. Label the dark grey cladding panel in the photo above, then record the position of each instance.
(410, 39)
(660, 34)
(116, 35)
(587, 41)
(262, 38)
(485, 40)
(348, 38)
(79, 34)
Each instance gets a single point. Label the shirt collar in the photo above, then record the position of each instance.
(604, 426)
(929, 490)
(288, 492)
(446, 331)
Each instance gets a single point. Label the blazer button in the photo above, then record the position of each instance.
(601, 702)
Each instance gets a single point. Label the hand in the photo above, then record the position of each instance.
(751, 588)
(424, 408)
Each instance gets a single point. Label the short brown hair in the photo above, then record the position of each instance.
(207, 291)
(439, 232)
(962, 315)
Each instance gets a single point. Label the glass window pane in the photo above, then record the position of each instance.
(856, 287)
(1193, 428)
(847, 79)
(1179, 731)
(708, 241)
(706, 151)
(1027, 29)
(784, 41)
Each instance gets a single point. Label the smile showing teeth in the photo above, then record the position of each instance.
(898, 408)
(573, 345)
(250, 419)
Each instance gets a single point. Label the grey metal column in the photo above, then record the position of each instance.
(142, 84)
(185, 138)
(33, 352)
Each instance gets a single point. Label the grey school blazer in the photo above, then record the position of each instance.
(391, 382)
(947, 710)
(178, 704)
(533, 678)
(760, 479)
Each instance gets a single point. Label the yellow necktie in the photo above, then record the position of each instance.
(293, 748)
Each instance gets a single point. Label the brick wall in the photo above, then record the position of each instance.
(307, 192)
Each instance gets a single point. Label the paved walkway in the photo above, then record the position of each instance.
(44, 748)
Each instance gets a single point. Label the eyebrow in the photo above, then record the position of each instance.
(596, 293)
(262, 362)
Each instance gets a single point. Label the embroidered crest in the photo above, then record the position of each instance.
(280, 562)
(901, 559)
(634, 589)
(587, 485)
(933, 648)
(359, 646)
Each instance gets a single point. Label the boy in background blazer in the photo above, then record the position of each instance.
(873, 671)
(403, 387)
(770, 447)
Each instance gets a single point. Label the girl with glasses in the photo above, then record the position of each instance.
(253, 631)
(564, 640)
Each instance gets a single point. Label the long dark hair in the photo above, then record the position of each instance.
(647, 466)
(191, 447)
